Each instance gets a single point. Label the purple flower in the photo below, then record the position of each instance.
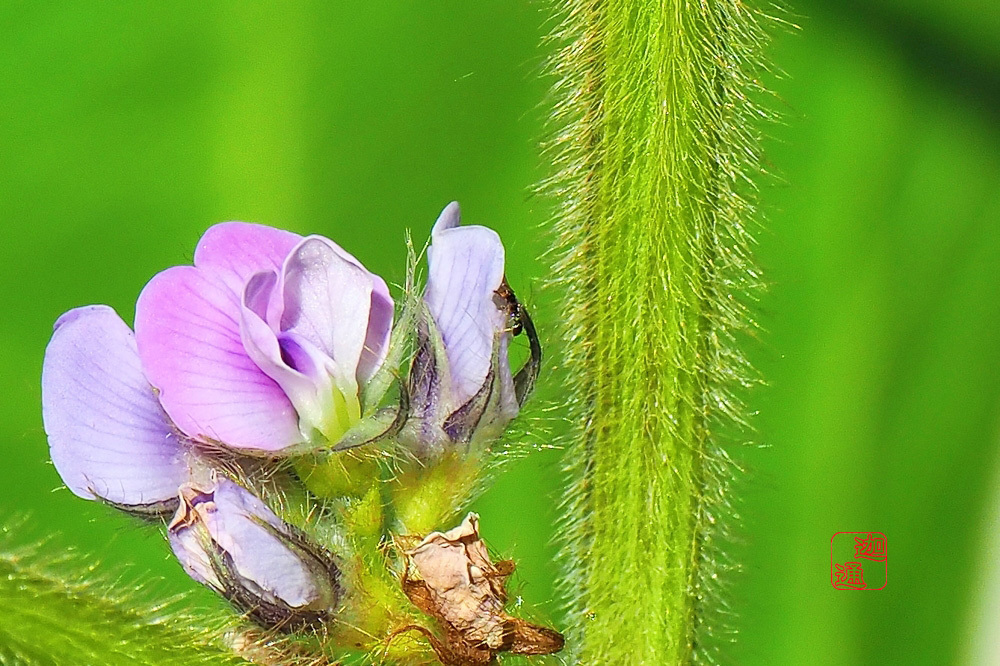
(265, 343)
(272, 343)
(111, 440)
(461, 386)
(232, 542)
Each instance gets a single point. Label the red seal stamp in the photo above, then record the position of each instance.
(859, 561)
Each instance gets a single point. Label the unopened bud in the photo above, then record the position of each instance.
(228, 539)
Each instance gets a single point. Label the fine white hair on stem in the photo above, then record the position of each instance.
(655, 144)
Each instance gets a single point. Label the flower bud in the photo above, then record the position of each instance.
(229, 540)
(461, 386)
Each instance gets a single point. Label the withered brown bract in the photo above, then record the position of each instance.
(458, 585)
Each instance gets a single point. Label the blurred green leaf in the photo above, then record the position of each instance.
(64, 611)
(882, 355)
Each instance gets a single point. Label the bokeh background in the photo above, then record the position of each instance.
(126, 129)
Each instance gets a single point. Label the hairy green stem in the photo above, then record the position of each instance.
(654, 148)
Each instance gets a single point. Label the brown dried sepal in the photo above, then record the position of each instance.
(458, 585)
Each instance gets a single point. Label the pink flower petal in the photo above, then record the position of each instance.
(237, 250)
(188, 334)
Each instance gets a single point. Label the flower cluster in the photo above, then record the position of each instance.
(275, 345)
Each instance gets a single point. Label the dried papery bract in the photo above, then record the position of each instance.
(451, 578)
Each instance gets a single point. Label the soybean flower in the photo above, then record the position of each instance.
(262, 346)
(270, 345)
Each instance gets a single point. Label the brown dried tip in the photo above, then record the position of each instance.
(459, 586)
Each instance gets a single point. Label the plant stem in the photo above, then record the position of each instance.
(655, 147)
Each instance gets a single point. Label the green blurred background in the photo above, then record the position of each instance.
(128, 128)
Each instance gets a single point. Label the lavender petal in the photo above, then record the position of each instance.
(327, 301)
(229, 539)
(108, 436)
(301, 370)
(466, 268)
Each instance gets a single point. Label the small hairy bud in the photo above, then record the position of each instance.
(229, 540)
